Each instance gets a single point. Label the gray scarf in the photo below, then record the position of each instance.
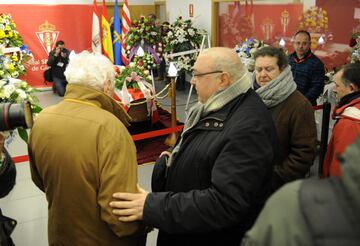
(277, 90)
(213, 104)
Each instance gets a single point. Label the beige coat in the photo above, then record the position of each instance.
(80, 154)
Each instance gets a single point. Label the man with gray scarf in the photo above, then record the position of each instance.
(292, 114)
(217, 177)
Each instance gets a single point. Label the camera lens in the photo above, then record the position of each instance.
(15, 115)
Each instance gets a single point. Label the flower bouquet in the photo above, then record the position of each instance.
(355, 54)
(13, 52)
(146, 62)
(134, 89)
(127, 74)
(246, 51)
(315, 20)
(182, 36)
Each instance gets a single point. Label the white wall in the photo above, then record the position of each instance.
(131, 2)
(202, 12)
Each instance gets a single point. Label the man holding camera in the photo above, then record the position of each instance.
(58, 60)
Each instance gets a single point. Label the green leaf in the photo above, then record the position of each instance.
(23, 134)
(36, 108)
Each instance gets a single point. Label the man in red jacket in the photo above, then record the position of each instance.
(347, 113)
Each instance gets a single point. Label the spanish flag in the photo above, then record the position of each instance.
(106, 34)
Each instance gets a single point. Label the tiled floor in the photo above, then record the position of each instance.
(28, 205)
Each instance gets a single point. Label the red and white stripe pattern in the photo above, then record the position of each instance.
(125, 26)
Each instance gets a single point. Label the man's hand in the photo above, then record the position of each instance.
(131, 205)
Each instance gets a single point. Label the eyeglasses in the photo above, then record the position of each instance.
(202, 74)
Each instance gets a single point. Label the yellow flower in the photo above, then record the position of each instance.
(10, 34)
(7, 28)
(2, 34)
(14, 58)
(2, 94)
(10, 67)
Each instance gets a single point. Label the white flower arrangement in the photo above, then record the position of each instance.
(246, 51)
(355, 54)
(182, 36)
(13, 53)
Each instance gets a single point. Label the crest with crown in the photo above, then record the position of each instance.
(47, 36)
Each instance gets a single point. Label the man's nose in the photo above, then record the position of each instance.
(263, 73)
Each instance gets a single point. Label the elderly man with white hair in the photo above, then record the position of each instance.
(80, 152)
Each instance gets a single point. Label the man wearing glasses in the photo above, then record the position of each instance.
(307, 69)
(210, 188)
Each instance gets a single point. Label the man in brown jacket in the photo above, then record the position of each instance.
(80, 153)
(292, 114)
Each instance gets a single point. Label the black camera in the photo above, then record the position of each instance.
(13, 115)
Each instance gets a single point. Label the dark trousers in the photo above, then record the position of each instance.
(60, 86)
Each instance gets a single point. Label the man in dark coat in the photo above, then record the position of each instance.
(216, 178)
(58, 60)
(307, 69)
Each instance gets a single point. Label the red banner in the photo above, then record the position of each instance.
(267, 22)
(332, 20)
(42, 25)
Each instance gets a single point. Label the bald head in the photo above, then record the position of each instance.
(215, 70)
(223, 59)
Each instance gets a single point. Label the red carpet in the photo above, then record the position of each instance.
(148, 150)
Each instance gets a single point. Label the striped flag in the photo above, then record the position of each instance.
(126, 23)
(117, 39)
(95, 36)
(106, 34)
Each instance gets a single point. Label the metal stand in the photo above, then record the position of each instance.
(171, 139)
(324, 135)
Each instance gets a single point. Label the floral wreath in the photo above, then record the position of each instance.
(13, 52)
(147, 61)
(132, 74)
(144, 33)
(182, 36)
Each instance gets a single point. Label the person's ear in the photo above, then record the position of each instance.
(225, 80)
(107, 87)
(353, 87)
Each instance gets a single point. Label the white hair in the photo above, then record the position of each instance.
(91, 69)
